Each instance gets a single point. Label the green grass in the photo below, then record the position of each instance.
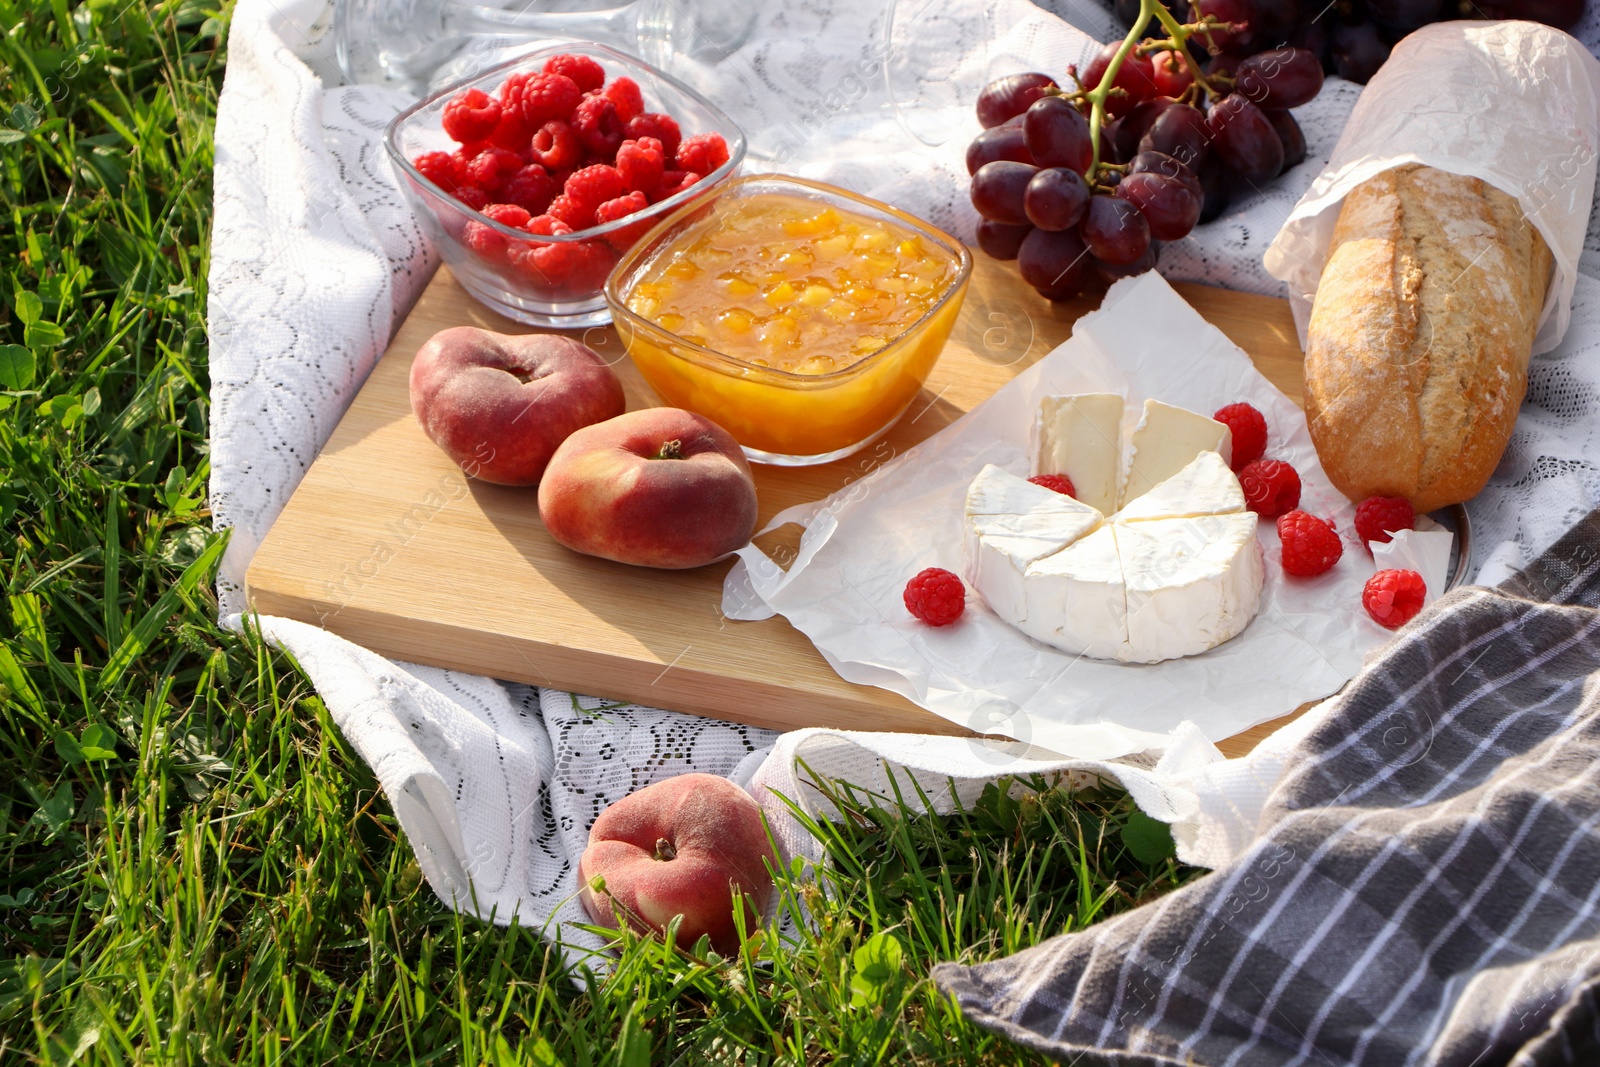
(194, 866)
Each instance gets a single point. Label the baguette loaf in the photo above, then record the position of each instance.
(1420, 334)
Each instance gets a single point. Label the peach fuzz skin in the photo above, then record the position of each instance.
(500, 404)
(711, 832)
(604, 494)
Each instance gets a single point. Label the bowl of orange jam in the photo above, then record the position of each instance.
(801, 317)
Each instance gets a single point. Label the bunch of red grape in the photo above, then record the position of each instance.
(1352, 38)
(1077, 182)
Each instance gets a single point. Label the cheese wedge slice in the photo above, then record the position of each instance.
(1011, 523)
(1081, 436)
(1191, 584)
(1205, 487)
(1167, 440)
(1075, 599)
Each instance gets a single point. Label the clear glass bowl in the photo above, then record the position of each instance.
(780, 416)
(499, 271)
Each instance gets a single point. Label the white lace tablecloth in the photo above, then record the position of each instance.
(315, 260)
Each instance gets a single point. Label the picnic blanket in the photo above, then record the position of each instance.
(1425, 887)
(315, 259)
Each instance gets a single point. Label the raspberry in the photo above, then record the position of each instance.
(531, 188)
(442, 169)
(1249, 428)
(542, 98)
(512, 133)
(598, 126)
(1310, 545)
(625, 94)
(621, 207)
(471, 115)
(593, 186)
(471, 150)
(936, 596)
(508, 214)
(663, 128)
(641, 163)
(586, 72)
(1271, 487)
(546, 226)
(1393, 598)
(674, 182)
(702, 153)
(580, 267)
(555, 146)
(1059, 482)
(520, 254)
(575, 213)
(486, 240)
(493, 167)
(623, 237)
(1378, 517)
(511, 89)
(472, 196)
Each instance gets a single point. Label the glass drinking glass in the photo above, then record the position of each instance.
(417, 45)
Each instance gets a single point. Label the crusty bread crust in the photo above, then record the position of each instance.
(1420, 334)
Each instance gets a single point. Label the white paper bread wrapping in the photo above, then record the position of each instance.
(1515, 104)
(843, 589)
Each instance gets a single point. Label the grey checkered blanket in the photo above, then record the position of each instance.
(1427, 890)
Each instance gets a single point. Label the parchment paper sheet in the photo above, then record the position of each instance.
(843, 590)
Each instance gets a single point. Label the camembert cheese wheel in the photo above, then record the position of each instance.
(1176, 571)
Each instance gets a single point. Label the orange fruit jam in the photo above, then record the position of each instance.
(821, 313)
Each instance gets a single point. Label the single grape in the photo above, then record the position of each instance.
(1168, 205)
(1293, 138)
(1171, 74)
(1244, 139)
(1276, 21)
(998, 142)
(1238, 11)
(1167, 167)
(1562, 14)
(1112, 272)
(1112, 142)
(1358, 52)
(1055, 198)
(1000, 240)
(998, 188)
(1057, 134)
(1114, 230)
(1125, 133)
(1217, 185)
(1281, 78)
(1055, 263)
(1224, 63)
(1181, 133)
(1406, 14)
(1011, 95)
(1316, 37)
(1136, 76)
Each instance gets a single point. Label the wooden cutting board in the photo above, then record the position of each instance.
(388, 544)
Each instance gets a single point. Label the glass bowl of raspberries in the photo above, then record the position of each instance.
(535, 176)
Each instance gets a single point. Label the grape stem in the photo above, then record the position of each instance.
(1178, 41)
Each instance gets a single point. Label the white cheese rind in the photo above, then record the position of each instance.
(1081, 436)
(1167, 440)
(1205, 487)
(1191, 583)
(1076, 601)
(1010, 523)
